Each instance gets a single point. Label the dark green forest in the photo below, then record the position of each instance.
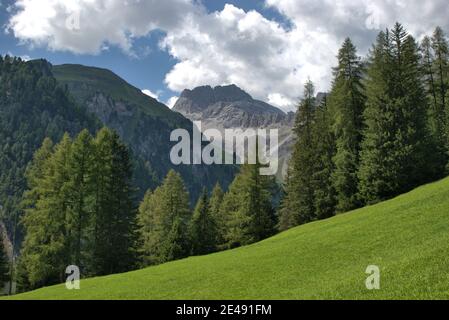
(382, 130)
(33, 106)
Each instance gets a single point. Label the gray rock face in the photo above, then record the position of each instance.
(230, 106)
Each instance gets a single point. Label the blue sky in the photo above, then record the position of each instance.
(146, 71)
(267, 47)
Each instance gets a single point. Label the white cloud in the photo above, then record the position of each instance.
(268, 60)
(250, 51)
(87, 26)
(171, 102)
(281, 101)
(151, 94)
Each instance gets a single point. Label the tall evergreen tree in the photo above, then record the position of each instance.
(427, 65)
(148, 229)
(163, 222)
(440, 48)
(298, 205)
(394, 155)
(250, 216)
(203, 227)
(81, 195)
(347, 101)
(45, 252)
(325, 149)
(436, 112)
(215, 204)
(114, 213)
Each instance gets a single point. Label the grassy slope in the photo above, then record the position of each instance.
(408, 238)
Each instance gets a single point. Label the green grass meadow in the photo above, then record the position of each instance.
(407, 237)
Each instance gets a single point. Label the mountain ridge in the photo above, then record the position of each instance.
(232, 106)
(229, 107)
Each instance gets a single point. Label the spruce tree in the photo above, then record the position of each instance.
(175, 245)
(396, 144)
(347, 102)
(440, 48)
(325, 149)
(250, 216)
(163, 222)
(114, 212)
(215, 204)
(203, 227)
(298, 205)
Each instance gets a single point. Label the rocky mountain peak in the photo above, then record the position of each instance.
(201, 98)
(206, 100)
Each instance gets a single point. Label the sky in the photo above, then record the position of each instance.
(269, 48)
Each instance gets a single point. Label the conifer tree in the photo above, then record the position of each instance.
(114, 213)
(287, 220)
(46, 252)
(78, 210)
(347, 102)
(163, 222)
(81, 195)
(298, 205)
(325, 149)
(149, 229)
(427, 65)
(203, 228)
(175, 245)
(440, 48)
(437, 117)
(395, 148)
(215, 204)
(250, 215)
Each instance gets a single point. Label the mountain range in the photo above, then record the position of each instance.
(229, 107)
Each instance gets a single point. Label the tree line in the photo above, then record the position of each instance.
(80, 210)
(382, 130)
(169, 230)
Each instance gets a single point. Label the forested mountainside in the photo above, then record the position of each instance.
(38, 100)
(142, 122)
(32, 107)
